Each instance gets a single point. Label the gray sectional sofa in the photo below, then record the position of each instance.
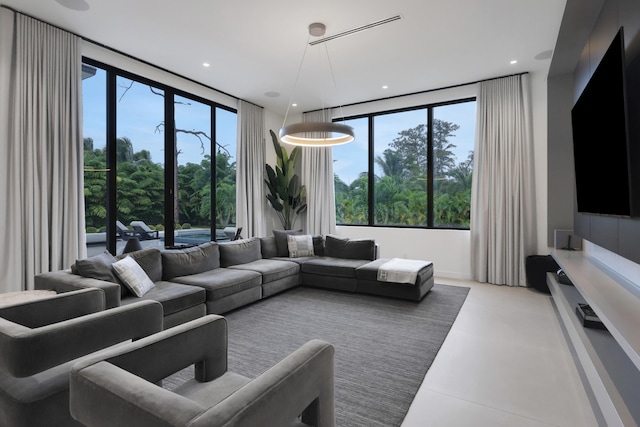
(215, 278)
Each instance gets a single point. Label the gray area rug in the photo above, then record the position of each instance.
(384, 346)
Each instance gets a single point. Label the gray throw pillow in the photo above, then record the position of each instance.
(240, 252)
(183, 262)
(282, 246)
(268, 247)
(318, 245)
(97, 267)
(342, 247)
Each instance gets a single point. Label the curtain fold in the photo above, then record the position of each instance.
(317, 176)
(41, 151)
(502, 197)
(250, 164)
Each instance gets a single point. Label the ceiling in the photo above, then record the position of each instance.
(255, 47)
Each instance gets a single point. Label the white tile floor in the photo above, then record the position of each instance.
(505, 362)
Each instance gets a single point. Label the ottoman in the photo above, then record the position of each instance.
(367, 282)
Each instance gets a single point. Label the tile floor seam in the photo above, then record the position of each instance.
(427, 388)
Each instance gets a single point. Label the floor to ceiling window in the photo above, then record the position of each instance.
(149, 150)
(408, 168)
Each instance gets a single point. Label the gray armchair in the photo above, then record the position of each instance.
(119, 387)
(40, 340)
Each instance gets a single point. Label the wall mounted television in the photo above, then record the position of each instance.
(601, 148)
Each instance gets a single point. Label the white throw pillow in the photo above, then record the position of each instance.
(133, 276)
(300, 246)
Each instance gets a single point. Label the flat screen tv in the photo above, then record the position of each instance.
(601, 138)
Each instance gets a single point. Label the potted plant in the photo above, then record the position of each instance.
(286, 195)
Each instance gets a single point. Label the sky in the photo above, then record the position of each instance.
(140, 115)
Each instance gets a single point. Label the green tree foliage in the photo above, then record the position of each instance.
(140, 188)
(401, 190)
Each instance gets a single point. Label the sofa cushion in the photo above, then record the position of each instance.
(300, 246)
(174, 297)
(133, 276)
(150, 260)
(342, 247)
(282, 246)
(271, 269)
(337, 267)
(240, 252)
(97, 267)
(268, 247)
(222, 282)
(182, 262)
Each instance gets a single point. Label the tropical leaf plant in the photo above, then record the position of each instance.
(286, 194)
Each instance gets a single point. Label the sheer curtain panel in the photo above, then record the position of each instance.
(250, 198)
(502, 197)
(41, 151)
(317, 176)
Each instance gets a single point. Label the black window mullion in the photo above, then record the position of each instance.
(170, 179)
(430, 167)
(112, 172)
(214, 172)
(370, 181)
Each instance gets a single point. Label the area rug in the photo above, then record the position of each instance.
(384, 346)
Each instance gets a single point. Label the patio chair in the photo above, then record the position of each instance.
(123, 232)
(119, 387)
(143, 230)
(42, 339)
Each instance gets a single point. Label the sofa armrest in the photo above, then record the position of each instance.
(56, 308)
(97, 397)
(66, 281)
(25, 351)
(202, 342)
(303, 382)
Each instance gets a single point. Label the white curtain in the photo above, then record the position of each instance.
(250, 164)
(317, 176)
(41, 151)
(502, 201)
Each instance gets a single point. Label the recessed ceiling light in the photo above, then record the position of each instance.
(79, 5)
(385, 87)
(513, 62)
(272, 94)
(206, 64)
(294, 105)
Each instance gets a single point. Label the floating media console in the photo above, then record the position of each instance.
(609, 358)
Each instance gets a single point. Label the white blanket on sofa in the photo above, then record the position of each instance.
(399, 270)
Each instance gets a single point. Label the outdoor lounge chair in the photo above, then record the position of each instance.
(123, 232)
(143, 230)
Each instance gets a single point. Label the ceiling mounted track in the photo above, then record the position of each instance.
(356, 30)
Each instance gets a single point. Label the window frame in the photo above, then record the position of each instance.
(170, 92)
(371, 163)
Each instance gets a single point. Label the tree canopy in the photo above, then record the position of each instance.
(400, 191)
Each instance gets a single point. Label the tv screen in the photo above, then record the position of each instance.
(600, 138)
